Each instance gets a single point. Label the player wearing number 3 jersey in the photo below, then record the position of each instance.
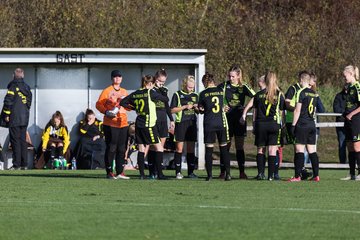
(211, 103)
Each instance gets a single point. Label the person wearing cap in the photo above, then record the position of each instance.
(115, 126)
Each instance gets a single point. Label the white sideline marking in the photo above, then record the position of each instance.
(184, 206)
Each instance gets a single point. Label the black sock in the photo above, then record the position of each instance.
(357, 159)
(224, 154)
(151, 162)
(260, 159)
(140, 162)
(208, 160)
(271, 166)
(60, 151)
(299, 163)
(352, 163)
(314, 163)
(190, 159)
(159, 163)
(177, 160)
(277, 160)
(52, 152)
(240, 157)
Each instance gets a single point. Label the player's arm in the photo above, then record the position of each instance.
(127, 102)
(246, 109)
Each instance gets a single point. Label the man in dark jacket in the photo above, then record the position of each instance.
(16, 111)
(339, 107)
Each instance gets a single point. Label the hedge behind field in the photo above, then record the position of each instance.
(283, 35)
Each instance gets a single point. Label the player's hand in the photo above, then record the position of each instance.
(226, 108)
(242, 120)
(189, 106)
(7, 119)
(172, 125)
(349, 116)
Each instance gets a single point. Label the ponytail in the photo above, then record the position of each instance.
(356, 72)
(208, 78)
(271, 87)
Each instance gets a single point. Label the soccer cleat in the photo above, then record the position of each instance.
(110, 176)
(122, 176)
(260, 176)
(192, 175)
(162, 177)
(179, 176)
(222, 175)
(357, 178)
(142, 177)
(152, 177)
(208, 179)
(295, 179)
(305, 174)
(350, 177)
(243, 175)
(315, 179)
(13, 168)
(277, 177)
(227, 177)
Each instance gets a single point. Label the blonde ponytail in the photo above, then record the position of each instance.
(356, 70)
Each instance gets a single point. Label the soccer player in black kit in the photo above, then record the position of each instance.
(268, 106)
(211, 104)
(184, 105)
(235, 91)
(142, 100)
(352, 119)
(162, 113)
(304, 128)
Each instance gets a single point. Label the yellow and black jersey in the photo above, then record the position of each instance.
(17, 103)
(212, 102)
(142, 101)
(90, 131)
(162, 108)
(308, 99)
(181, 98)
(352, 98)
(57, 133)
(267, 112)
(235, 96)
(291, 95)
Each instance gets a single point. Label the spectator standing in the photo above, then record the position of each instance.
(16, 112)
(339, 107)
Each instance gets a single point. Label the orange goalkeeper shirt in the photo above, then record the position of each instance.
(108, 100)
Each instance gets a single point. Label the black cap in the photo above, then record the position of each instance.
(116, 73)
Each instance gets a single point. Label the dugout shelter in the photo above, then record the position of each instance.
(71, 80)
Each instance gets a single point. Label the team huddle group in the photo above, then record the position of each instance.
(224, 112)
(275, 114)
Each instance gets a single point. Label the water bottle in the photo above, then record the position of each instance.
(73, 164)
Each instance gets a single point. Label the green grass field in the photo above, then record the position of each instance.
(84, 205)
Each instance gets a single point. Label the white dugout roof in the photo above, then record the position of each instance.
(71, 79)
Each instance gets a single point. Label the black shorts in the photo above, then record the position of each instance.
(267, 134)
(352, 130)
(185, 132)
(221, 135)
(162, 129)
(147, 136)
(235, 128)
(305, 135)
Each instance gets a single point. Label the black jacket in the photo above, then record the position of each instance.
(17, 103)
(339, 105)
